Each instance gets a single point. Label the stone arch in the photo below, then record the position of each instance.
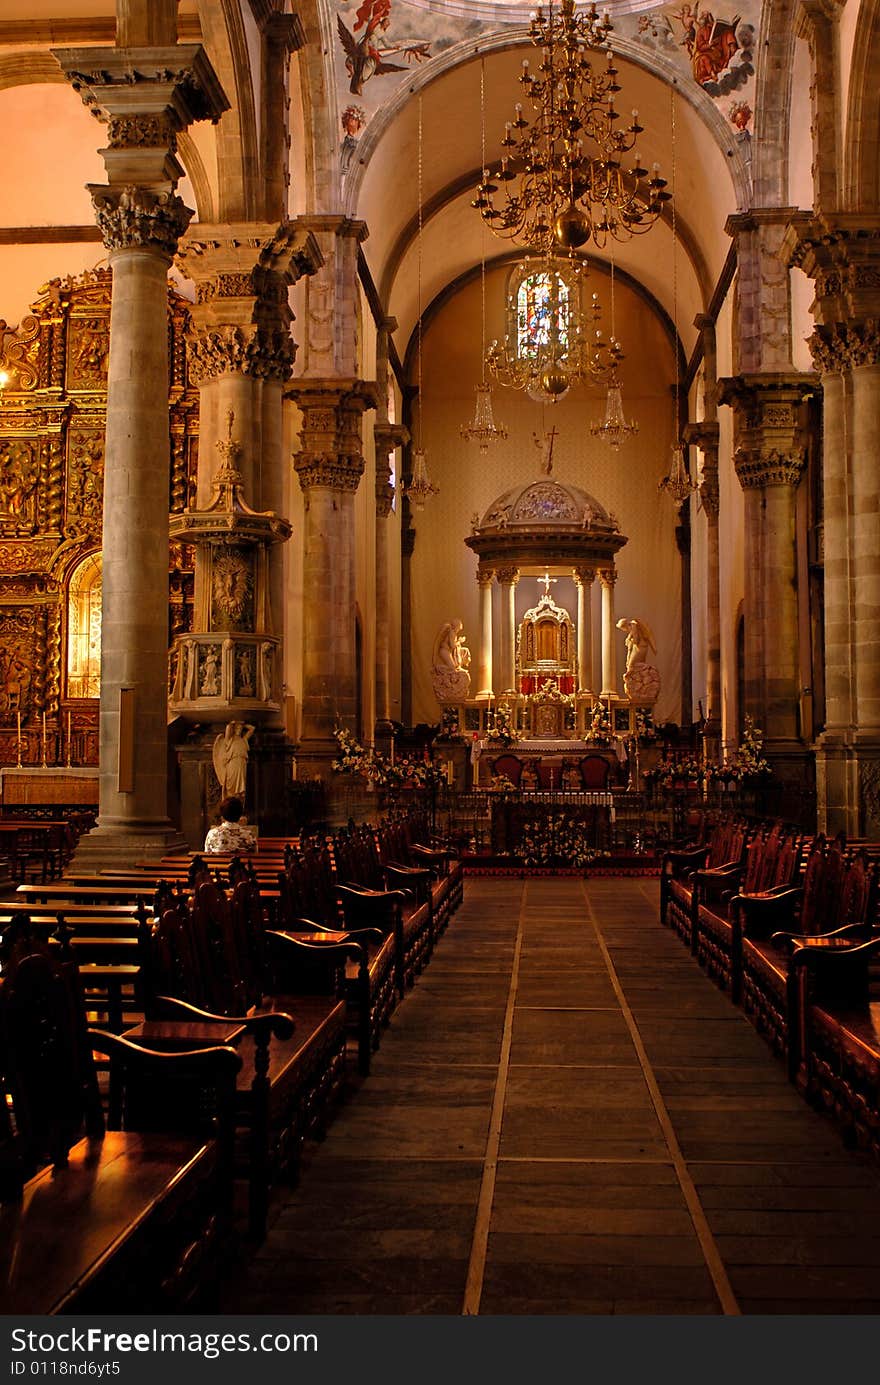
(653, 63)
(861, 155)
(238, 164)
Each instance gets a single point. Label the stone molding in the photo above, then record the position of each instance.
(131, 81)
(771, 446)
(131, 216)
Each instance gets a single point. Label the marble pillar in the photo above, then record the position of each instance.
(507, 580)
(866, 546)
(584, 578)
(141, 220)
(607, 579)
(484, 675)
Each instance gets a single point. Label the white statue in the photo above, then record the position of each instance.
(230, 757)
(641, 680)
(449, 664)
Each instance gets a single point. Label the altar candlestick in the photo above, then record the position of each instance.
(18, 737)
(44, 739)
(68, 738)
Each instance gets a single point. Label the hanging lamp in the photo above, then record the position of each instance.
(614, 428)
(678, 482)
(419, 488)
(484, 429)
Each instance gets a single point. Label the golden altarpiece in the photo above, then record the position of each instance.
(52, 424)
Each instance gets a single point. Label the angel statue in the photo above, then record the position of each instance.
(641, 680)
(230, 757)
(449, 664)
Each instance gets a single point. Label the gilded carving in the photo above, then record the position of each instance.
(85, 484)
(32, 556)
(19, 475)
(133, 216)
(88, 352)
(231, 589)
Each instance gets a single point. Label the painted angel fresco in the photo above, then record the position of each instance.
(367, 56)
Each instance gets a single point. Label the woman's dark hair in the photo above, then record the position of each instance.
(230, 809)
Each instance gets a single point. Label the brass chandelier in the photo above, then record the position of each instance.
(561, 181)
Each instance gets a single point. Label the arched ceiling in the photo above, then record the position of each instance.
(385, 193)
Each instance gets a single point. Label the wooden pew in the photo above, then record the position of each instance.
(95, 1220)
(199, 967)
(310, 905)
(725, 848)
(371, 896)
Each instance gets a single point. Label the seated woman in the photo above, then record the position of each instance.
(231, 834)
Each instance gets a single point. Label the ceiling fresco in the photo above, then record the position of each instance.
(381, 43)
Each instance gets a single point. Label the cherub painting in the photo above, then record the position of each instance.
(367, 55)
(710, 42)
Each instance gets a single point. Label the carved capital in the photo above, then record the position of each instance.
(328, 470)
(389, 436)
(770, 435)
(704, 435)
(132, 216)
(331, 452)
(584, 576)
(265, 353)
(840, 252)
(507, 575)
(607, 577)
(842, 345)
(485, 576)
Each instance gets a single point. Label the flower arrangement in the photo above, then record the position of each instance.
(552, 693)
(354, 759)
(599, 726)
(501, 784)
(645, 728)
(670, 772)
(558, 839)
(747, 763)
(503, 728)
(449, 728)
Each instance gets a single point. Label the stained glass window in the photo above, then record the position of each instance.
(542, 302)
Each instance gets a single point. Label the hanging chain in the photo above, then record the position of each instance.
(482, 222)
(419, 282)
(674, 261)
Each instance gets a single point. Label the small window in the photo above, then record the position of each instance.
(84, 629)
(542, 303)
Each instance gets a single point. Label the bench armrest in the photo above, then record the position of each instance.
(263, 1024)
(221, 1060)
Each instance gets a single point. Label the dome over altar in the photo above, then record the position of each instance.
(546, 520)
(544, 501)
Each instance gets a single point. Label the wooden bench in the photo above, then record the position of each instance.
(373, 895)
(725, 848)
(200, 963)
(92, 1220)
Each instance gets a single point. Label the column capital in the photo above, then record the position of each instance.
(584, 576)
(845, 345)
(261, 351)
(249, 250)
(771, 444)
(132, 216)
(485, 576)
(607, 576)
(840, 252)
(389, 436)
(331, 453)
(702, 433)
(507, 575)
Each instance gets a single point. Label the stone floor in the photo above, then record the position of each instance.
(566, 1117)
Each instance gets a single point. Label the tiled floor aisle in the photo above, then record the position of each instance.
(567, 1117)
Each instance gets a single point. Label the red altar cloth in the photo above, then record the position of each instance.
(529, 683)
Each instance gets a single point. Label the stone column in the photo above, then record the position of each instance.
(147, 96)
(329, 465)
(507, 580)
(607, 578)
(584, 578)
(387, 437)
(866, 544)
(769, 457)
(484, 674)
